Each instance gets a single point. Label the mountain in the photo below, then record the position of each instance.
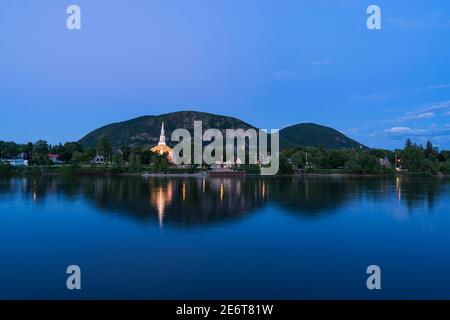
(144, 131)
(314, 135)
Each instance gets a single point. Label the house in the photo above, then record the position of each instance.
(15, 162)
(54, 158)
(24, 156)
(20, 160)
(384, 162)
(99, 160)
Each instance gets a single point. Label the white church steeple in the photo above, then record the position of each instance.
(162, 137)
(162, 148)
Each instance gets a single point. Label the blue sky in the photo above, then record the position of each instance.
(271, 63)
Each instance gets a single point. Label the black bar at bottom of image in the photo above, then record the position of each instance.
(265, 309)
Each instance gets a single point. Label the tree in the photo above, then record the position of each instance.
(137, 150)
(147, 156)
(104, 147)
(41, 150)
(413, 158)
(41, 147)
(430, 152)
(68, 150)
(351, 166)
(159, 162)
(77, 158)
(445, 167)
(27, 149)
(297, 159)
(369, 163)
(126, 151)
(408, 143)
(363, 163)
(445, 155)
(89, 154)
(5, 169)
(117, 163)
(163, 163)
(135, 163)
(8, 150)
(285, 166)
(337, 159)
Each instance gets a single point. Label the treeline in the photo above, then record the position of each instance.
(38, 153)
(413, 158)
(131, 159)
(77, 159)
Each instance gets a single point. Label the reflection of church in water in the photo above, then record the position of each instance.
(195, 202)
(203, 201)
(161, 198)
(162, 147)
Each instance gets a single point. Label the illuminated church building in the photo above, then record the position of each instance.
(162, 147)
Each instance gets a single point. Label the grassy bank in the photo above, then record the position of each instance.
(103, 170)
(85, 170)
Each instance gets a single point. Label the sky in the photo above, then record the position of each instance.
(270, 63)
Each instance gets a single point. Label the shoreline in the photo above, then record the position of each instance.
(164, 175)
(205, 175)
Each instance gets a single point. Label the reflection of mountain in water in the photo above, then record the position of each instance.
(309, 197)
(196, 201)
(418, 192)
(314, 196)
(178, 201)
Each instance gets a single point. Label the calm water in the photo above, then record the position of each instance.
(276, 238)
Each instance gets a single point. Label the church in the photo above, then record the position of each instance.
(162, 147)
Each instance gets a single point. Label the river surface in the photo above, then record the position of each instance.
(195, 238)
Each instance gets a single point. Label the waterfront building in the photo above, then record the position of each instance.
(162, 147)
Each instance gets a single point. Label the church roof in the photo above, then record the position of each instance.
(162, 149)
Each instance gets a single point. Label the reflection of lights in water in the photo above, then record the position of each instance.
(398, 188)
(222, 191)
(34, 192)
(184, 191)
(160, 198)
(203, 185)
(160, 206)
(263, 189)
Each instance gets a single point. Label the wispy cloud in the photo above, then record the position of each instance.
(371, 96)
(322, 62)
(433, 132)
(439, 86)
(354, 131)
(396, 93)
(433, 20)
(409, 116)
(417, 116)
(405, 131)
(425, 112)
(284, 75)
(437, 106)
(417, 125)
(400, 22)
